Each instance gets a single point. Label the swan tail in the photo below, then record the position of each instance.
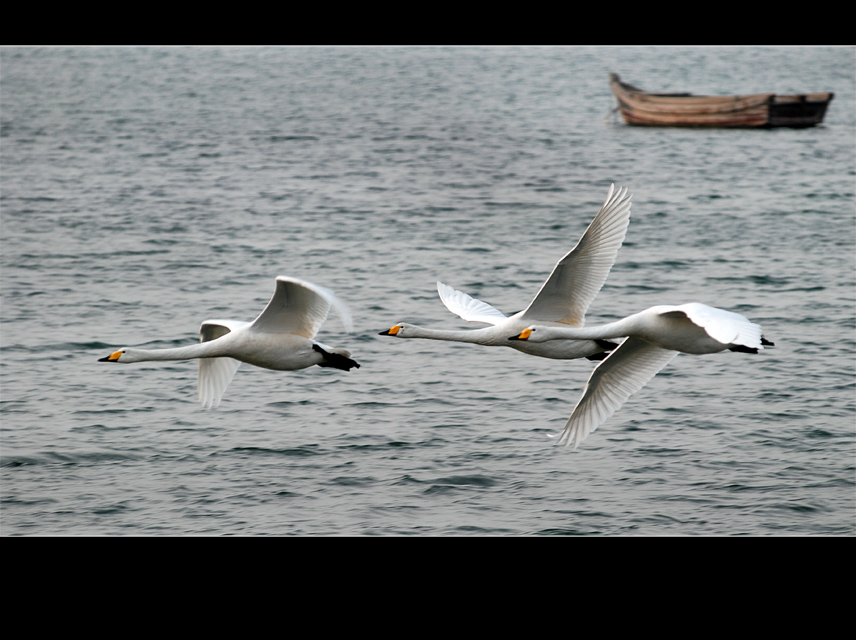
(341, 360)
(744, 349)
(741, 349)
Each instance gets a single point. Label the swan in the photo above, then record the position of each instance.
(280, 338)
(562, 300)
(654, 337)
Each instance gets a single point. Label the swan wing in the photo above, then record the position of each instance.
(723, 326)
(213, 329)
(578, 277)
(620, 375)
(468, 307)
(300, 307)
(215, 374)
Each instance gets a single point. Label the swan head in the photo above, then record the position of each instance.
(532, 334)
(399, 330)
(120, 355)
(523, 335)
(113, 357)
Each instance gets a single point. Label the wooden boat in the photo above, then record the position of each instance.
(686, 110)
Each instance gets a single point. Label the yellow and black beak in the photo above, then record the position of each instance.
(524, 335)
(390, 332)
(113, 357)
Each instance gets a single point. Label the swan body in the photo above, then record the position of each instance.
(562, 300)
(280, 338)
(653, 338)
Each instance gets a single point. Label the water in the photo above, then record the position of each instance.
(145, 190)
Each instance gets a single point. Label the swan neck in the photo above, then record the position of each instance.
(608, 331)
(201, 350)
(469, 335)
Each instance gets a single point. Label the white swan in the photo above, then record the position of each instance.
(280, 338)
(562, 300)
(654, 337)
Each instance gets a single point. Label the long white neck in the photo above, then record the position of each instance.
(202, 350)
(618, 329)
(475, 336)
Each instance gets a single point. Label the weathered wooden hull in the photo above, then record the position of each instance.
(640, 107)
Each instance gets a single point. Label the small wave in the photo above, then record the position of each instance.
(50, 458)
(300, 452)
(442, 485)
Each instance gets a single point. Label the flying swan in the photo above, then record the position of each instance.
(654, 337)
(281, 338)
(562, 300)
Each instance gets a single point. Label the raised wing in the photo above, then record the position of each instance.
(468, 307)
(213, 329)
(724, 326)
(578, 277)
(620, 375)
(300, 307)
